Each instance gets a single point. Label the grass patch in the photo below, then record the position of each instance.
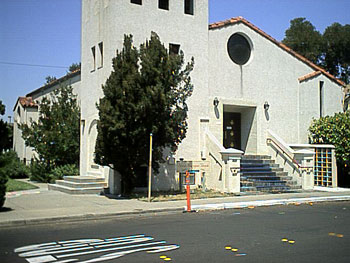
(173, 196)
(14, 185)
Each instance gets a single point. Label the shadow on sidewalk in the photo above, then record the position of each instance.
(5, 209)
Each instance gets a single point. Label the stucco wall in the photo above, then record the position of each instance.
(271, 75)
(309, 102)
(108, 21)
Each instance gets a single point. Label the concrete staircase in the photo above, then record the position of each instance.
(261, 174)
(79, 185)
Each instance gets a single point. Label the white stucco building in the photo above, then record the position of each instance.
(261, 89)
(254, 98)
(26, 110)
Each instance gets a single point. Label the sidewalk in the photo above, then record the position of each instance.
(41, 206)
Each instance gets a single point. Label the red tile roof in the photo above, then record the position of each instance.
(26, 102)
(240, 19)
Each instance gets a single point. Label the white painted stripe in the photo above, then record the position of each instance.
(165, 248)
(80, 241)
(119, 243)
(41, 259)
(109, 249)
(41, 253)
(52, 250)
(67, 260)
(117, 238)
(31, 247)
(123, 253)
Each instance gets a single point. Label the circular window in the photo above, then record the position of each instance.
(238, 49)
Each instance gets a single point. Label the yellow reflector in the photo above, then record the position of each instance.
(163, 257)
(284, 240)
(291, 241)
(227, 248)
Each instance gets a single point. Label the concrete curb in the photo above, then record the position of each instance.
(272, 202)
(75, 218)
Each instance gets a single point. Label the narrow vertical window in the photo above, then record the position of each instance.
(138, 2)
(163, 4)
(93, 51)
(174, 49)
(321, 98)
(100, 47)
(189, 7)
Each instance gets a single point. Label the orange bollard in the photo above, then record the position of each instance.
(188, 191)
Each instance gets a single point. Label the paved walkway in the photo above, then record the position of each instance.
(44, 206)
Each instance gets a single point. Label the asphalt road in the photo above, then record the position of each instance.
(321, 233)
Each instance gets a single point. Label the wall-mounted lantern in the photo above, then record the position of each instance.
(216, 102)
(266, 106)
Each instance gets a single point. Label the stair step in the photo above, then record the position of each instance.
(69, 190)
(81, 185)
(84, 179)
(256, 157)
(266, 177)
(264, 173)
(244, 162)
(261, 169)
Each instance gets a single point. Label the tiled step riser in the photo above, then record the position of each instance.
(260, 165)
(256, 157)
(263, 173)
(261, 169)
(74, 191)
(80, 185)
(262, 177)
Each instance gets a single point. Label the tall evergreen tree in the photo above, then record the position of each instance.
(337, 51)
(145, 93)
(5, 131)
(303, 38)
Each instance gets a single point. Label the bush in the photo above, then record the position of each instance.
(3, 180)
(64, 170)
(12, 166)
(40, 172)
(333, 130)
(46, 174)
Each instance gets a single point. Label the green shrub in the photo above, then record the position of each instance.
(333, 130)
(64, 170)
(3, 179)
(12, 166)
(40, 172)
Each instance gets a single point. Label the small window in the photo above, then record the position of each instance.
(189, 7)
(163, 4)
(321, 98)
(138, 2)
(174, 49)
(93, 51)
(100, 47)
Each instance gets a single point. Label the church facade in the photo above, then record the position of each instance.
(253, 98)
(248, 87)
